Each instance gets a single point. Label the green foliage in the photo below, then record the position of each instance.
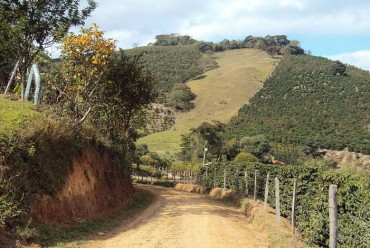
(75, 85)
(154, 160)
(338, 68)
(312, 149)
(140, 150)
(257, 145)
(170, 64)
(122, 102)
(303, 101)
(292, 48)
(31, 26)
(14, 114)
(173, 40)
(180, 97)
(7, 50)
(205, 136)
(312, 214)
(243, 157)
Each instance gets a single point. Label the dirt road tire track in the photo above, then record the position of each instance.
(180, 219)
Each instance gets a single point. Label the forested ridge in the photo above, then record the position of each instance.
(309, 98)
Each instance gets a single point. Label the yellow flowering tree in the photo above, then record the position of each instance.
(94, 82)
(84, 69)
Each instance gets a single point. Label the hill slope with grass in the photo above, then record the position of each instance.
(220, 93)
(310, 98)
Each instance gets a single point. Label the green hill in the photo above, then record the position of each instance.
(220, 93)
(310, 98)
(173, 64)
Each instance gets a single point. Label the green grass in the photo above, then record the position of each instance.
(61, 236)
(14, 113)
(220, 94)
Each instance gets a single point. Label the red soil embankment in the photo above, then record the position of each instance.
(94, 188)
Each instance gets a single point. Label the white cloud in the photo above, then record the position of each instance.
(359, 59)
(138, 21)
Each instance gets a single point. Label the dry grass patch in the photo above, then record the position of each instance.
(192, 188)
(279, 236)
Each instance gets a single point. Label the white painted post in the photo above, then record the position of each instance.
(267, 190)
(246, 183)
(11, 77)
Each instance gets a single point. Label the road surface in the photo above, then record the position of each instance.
(181, 219)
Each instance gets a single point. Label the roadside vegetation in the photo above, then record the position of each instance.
(314, 178)
(93, 97)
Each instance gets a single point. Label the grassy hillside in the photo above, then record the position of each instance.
(307, 98)
(220, 93)
(173, 64)
(14, 114)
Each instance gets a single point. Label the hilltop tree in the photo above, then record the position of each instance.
(34, 25)
(273, 50)
(292, 48)
(338, 68)
(173, 40)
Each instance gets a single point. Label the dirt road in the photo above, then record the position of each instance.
(180, 219)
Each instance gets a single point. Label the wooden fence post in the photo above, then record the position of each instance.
(246, 183)
(277, 194)
(267, 189)
(225, 178)
(333, 216)
(174, 176)
(237, 180)
(167, 173)
(255, 185)
(293, 203)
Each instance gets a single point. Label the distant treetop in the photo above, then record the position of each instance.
(272, 44)
(173, 40)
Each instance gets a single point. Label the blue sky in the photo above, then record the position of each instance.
(338, 29)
